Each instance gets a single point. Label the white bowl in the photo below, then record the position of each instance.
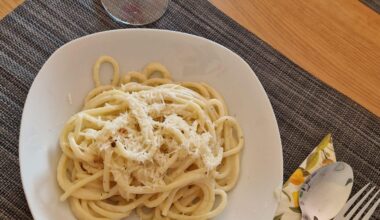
(188, 57)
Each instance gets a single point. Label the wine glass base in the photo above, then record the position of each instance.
(135, 12)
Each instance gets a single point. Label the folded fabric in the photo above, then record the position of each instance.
(322, 155)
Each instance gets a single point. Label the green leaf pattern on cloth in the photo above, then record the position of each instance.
(296, 210)
(312, 160)
(278, 217)
(322, 155)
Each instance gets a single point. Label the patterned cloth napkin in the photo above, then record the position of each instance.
(322, 155)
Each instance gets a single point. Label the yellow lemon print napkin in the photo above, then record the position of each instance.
(322, 155)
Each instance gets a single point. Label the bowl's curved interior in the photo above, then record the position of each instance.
(189, 58)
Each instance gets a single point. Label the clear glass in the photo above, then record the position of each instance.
(135, 12)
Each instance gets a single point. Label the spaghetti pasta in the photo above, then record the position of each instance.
(147, 144)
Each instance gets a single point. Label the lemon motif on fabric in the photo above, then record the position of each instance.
(297, 177)
(322, 155)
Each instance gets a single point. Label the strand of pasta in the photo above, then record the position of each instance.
(103, 179)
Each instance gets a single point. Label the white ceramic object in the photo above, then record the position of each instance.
(188, 57)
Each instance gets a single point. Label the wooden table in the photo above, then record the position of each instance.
(337, 41)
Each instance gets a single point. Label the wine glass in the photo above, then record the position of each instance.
(135, 12)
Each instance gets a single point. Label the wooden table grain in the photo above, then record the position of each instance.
(7, 6)
(336, 41)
